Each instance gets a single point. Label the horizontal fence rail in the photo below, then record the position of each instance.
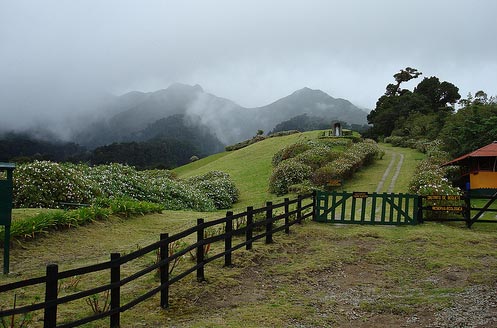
(253, 224)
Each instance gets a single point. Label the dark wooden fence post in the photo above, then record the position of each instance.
(228, 233)
(420, 209)
(269, 222)
(115, 292)
(315, 205)
(467, 210)
(299, 209)
(287, 215)
(164, 270)
(200, 250)
(51, 287)
(250, 228)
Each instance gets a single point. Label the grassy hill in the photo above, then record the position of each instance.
(250, 167)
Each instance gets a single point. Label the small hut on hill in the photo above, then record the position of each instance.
(478, 169)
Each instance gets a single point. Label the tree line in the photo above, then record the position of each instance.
(434, 109)
(161, 153)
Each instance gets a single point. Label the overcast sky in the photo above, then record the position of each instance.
(55, 56)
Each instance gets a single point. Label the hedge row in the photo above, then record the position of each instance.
(430, 178)
(47, 184)
(316, 163)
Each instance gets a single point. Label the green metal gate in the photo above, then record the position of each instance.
(366, 208)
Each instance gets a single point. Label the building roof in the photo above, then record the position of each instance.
(489, 150)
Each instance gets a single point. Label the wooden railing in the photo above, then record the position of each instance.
(292, 212)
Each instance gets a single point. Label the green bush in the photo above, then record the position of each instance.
(283, 133)
(289, 152)
(317, 156)
(178, 195)
(218, 186)
(324, 174)
(128, 207)
(323, 160)
(245, 143)
(358, 155)
(395, 141)
(287, 173)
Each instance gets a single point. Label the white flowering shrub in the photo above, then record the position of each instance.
(178, 195)
(218, 186)
(117, 180)
(45, 184)
(287, 173)
(430, 179)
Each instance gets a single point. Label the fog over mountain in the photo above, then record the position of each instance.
(136, 114)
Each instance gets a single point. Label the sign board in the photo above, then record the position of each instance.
(443, 197)
(6, 194)
(335, 183)
(446, 208)
(359, 194)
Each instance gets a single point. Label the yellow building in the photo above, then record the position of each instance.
(478, 169)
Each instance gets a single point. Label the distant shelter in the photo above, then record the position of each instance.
(478, 170)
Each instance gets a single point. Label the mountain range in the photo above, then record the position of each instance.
(136, 116)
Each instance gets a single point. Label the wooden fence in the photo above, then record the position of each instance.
(292, 212)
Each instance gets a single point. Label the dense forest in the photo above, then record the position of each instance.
(157, 152)
(434, 110)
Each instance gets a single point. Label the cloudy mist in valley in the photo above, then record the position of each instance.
(63, 62)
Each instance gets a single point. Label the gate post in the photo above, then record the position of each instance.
(269, 222)
(467, 210)
(419, 211)
(228, 232)
(164, 270)
(287, 216)
(250, 227)
(200, 250)
(51, 287)
(115, 292)
(299, 209)
(314, 205)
